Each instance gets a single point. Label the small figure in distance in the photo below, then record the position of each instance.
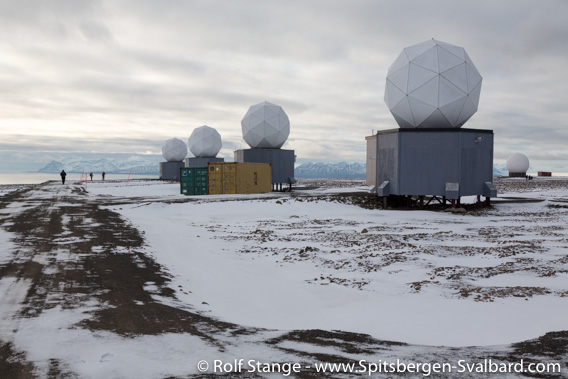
(104, 175)
(91, 174)
(63, 175)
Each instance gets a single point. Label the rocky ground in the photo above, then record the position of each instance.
(68, 251)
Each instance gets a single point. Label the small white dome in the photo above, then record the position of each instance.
(205, 141)
(174, 150)
(518, 163)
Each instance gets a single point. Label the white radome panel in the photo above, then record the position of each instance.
(205, 142)
(174, 150)
(518, 163)
(265, 126)
(432, 85)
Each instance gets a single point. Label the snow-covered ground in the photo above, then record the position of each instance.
(284, 262)
(276, 277)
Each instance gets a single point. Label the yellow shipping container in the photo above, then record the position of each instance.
(239, 177)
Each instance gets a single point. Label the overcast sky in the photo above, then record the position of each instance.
(124, 76)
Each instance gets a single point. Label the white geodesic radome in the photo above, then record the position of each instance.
(432, 85)
(265, 126)
(174, 150)
(205, 142)
(517, 163)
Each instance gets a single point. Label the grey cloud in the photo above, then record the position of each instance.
(56, 19)
(56, 145)
(140, 64)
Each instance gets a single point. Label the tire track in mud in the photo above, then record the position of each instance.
(70, 251)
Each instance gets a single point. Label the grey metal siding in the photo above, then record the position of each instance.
(201, 162)
(476, 162)
(371, 167)
(170, 170)
(428, 162)
(421, 161)
(387, 160)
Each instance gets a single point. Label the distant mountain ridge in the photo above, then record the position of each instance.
(330, 170)
(137, 164)
(500, 170)
(134, 164)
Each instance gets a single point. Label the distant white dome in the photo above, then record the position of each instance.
(265, 126)
(518, 164)
(174, 150)
(205, 142)
(432, 85)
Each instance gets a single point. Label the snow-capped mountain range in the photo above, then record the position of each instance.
(137, 164)
(134, 164)
(500, 170)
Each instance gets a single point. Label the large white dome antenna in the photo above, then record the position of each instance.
(432, 84)
(265, 126)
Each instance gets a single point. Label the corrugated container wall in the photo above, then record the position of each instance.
(238, 177)
(282, 162)
(193, 181)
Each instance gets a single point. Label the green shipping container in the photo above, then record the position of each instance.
(193, 181)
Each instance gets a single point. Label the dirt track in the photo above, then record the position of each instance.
(72, 252)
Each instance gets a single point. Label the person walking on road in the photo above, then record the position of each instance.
(104, 175)
(91, 174)
(63, 175)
